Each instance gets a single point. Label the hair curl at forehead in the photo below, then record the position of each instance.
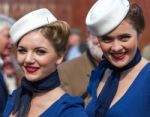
(57, 33)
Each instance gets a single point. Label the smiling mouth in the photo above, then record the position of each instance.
(118, 57)
(31, 69)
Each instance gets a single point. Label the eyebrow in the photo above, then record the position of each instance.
(124, 35)
(20, 46)
(121, 35)
(106, 37)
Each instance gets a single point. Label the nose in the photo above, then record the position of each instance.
(116, 46)
(29, 58)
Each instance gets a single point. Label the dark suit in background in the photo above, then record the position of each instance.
(3, 93)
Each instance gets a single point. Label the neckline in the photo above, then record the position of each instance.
(130, 87)
(51, 106)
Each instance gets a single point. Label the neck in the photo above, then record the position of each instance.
(138, 67)
(51, 95)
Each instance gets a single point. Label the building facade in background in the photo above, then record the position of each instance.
(72, 11)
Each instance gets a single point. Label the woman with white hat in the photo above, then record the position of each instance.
(120, 85)
(41, 42)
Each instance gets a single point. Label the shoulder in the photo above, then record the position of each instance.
(9, 104)
(10, 100)
(72, 100)
(146, 68)
(145, 73)
(72, 106)
(148, 65)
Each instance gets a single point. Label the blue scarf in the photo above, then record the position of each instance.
(110, 88)
(24, 94)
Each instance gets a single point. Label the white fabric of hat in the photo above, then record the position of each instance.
(105, 15)
(31, 21)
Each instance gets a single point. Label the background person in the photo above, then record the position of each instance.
(74, 74)
(5, 42)
(75, 44)
(9, 66)
(41, 44)
(119, 86)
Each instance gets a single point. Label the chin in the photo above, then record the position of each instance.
(32, 78)
(119, 64)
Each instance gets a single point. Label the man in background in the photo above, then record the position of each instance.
(74, 74)
(5, 43)
(75, 44)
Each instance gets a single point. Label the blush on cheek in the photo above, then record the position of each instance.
(19, 62)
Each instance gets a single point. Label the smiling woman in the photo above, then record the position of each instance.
(120, 45)
(119, 86)
(41, 44)
(37, 60)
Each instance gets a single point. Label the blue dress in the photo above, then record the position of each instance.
(66, 106)
(3, 93)
(134, 103)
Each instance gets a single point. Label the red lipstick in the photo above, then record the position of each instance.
(119, 57)
(31, 69)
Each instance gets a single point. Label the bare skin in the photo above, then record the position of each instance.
(41, 102)
(126, 80)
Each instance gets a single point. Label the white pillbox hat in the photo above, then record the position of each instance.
(105, 15)
(31, 21)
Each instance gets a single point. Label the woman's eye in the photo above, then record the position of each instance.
(40, 52)
(124, 38)
(21, 51)
(106, 39)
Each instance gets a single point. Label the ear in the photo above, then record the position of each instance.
(140, 35)
(60, 58)
(140, 39)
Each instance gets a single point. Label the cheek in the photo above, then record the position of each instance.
(104, 47)
(20, 59)
(132, 45)
(47, 61)
(47, 66)
(132, 51)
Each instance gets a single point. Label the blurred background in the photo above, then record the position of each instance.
(72, 11)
